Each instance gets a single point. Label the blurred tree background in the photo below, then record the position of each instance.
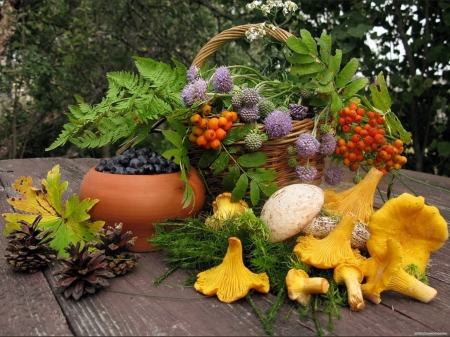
(53, 49)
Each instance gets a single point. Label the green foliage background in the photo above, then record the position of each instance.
(63, 48)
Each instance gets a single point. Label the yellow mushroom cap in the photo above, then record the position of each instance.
(357, 200)
(419, 228)
(385, 272)
(224, 209)
(300, 286)
(231, 280)
(330, 251)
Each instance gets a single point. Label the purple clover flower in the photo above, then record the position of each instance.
(298, 111)
(306, 174)
(249, 114)
(221, 80)
(194, 92)
(192, 74)
(328, 144)
(333, 175)
(307, 145)
(278, 124)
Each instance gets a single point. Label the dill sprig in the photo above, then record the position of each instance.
(190, 244)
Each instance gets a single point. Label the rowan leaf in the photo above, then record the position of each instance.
(69, 222)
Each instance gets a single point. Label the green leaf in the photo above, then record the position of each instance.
(347, 73)
(268, 188)
(329, 87)
(380, 94)
(336, 103)
(255, 193)
(396, 127)
(240, 189)
(300, 58)
(325, 47)
(297, 45)
(443, 149)
(220, 164)
(253, 159)
(174, 154)
(237, 133)
(69, 223)
(208, 157)
(262, 175)
(353, 87)
(309, 41)
(308, 68)
(173, 137)
(229, 180)
(335, 62)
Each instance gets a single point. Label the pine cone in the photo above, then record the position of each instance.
(28, 248)
(83, 273)
(119, 259)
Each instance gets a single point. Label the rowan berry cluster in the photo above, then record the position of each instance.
(207, 130)
(363, 141)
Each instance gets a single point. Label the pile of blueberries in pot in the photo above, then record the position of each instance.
(137, 161)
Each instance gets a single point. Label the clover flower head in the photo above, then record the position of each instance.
(333, 175)
(250, 97)
(328, 144)
(192, 74)
(307, 145)
(306, 174)
(221, 80)
(278, 124)
(249, 114)
(194, 92)
(298, 111)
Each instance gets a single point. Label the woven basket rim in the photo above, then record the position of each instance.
(234, 33)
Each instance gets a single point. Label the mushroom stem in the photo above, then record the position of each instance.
(408, 285)
(354, 293)
(300, 286)
(351, 276)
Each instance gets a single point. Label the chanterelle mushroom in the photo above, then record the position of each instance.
(231, 280)
(352, 276)
(300, 286)
(224, 209)
(385, 272)
(420, 229)
(357, 200)
(330, 251)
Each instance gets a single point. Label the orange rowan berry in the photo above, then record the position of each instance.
(203, 124)
(213, 123)
(206, 109)
(220, 133)
(201, 141)
(192, 138)
(210, 134)
(215, 144)
(222, 121)
(196, 119)
(197, 131)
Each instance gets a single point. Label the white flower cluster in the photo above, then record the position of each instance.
(258, 33)
(288, 6)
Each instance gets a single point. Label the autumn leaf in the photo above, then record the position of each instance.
(69, 222)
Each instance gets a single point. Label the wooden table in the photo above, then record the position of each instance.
(132, 305)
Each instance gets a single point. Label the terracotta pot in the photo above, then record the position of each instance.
(140, 200)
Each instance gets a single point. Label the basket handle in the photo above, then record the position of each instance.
(231, 34)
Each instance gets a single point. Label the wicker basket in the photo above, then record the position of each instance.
(276, 150)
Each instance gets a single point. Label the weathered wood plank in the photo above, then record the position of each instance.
(27, 304)
(131, 305)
